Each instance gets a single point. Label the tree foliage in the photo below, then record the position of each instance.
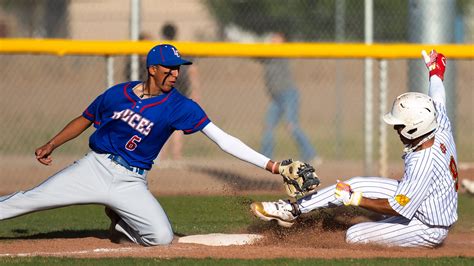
(313, 20)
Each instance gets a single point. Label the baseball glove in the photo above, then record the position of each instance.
(299, 178)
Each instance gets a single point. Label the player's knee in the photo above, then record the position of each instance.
(161, 237)
(353, 235)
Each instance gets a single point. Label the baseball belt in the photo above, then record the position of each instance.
(119, 160)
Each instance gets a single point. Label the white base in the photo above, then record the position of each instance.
(220, 239)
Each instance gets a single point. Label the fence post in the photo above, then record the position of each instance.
(135, 6)
(383, 156)
(368, 91)
(110, 70)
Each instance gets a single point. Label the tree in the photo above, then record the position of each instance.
(312, 20)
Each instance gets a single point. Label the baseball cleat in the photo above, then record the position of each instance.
(277, 210)
(114, 235)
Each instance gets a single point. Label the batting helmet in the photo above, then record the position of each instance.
(416, 112)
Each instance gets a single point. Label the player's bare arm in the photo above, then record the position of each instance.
(272, 167)
(377, 205)
(70, 131)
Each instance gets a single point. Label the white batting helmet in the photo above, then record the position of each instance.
(415, 111)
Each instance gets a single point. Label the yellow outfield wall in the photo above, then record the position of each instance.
(62, 47)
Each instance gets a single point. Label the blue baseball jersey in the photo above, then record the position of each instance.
(136, 128)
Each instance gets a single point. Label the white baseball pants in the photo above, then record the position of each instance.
(95, 179)
(393, 231)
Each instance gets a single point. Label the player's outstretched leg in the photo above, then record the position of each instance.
(286, 213)
(371, 187)
(76, 184)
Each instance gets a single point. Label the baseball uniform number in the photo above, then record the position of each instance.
(454, 172)
(133, 143)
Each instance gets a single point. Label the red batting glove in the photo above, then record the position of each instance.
(436, 63)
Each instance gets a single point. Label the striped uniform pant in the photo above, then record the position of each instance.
(393, 231)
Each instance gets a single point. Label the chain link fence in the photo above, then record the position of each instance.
(40, 94)
(215, 20)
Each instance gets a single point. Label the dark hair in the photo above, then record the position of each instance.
(168, 31)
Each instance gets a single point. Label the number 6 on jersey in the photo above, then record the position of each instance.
(133, 143)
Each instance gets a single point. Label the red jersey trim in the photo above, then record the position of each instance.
(196, 126)
(128, 96)
(157, 103)
(89, 114)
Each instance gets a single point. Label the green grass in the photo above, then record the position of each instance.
(189, 215)
(212, 214)
(465, 222)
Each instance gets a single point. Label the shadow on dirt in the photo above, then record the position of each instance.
(64, 234)
(236, 180)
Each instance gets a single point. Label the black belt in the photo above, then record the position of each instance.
(119, 160)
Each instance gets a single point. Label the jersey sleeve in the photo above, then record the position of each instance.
(234, 146)
(438, 93)
(190, 118)
(91, 113)
(413, 188)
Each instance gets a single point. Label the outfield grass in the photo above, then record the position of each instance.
(465, 222)
(189, 215)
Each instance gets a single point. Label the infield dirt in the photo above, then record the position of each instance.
(307, 243)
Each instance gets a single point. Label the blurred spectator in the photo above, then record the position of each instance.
(284, 105)
(3, 30)
(188, 85)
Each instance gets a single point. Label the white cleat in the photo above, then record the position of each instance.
(277, 210)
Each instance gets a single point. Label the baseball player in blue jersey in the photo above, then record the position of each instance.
(133, 120)
(422, 206)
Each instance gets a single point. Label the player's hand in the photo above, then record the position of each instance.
(436, 63)
(43, 153)
(345, 193)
